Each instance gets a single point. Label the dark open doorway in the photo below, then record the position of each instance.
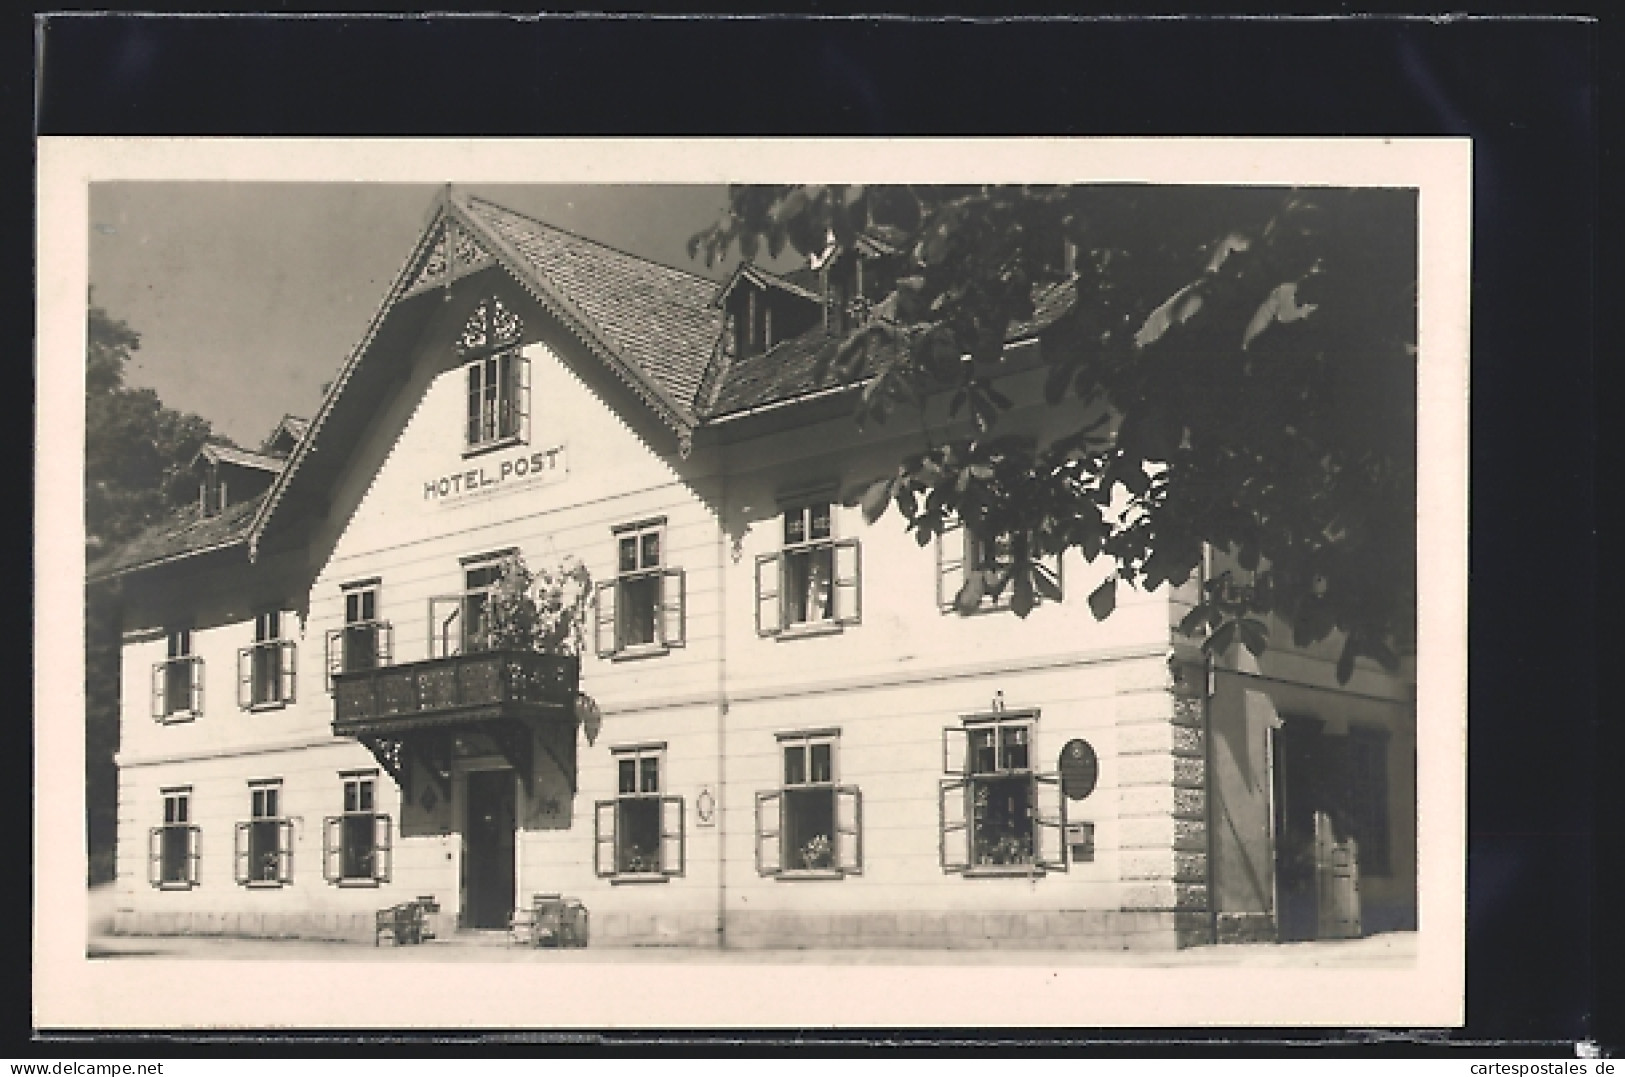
(488, 870)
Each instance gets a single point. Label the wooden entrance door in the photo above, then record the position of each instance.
(488, 893)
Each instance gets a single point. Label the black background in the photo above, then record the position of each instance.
(1527, 92)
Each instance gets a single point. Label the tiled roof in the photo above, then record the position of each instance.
(187, 532)
(790, 369)
(657, 318)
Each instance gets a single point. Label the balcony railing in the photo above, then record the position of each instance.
(477, 686)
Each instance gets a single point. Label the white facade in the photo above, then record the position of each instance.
(718, 705)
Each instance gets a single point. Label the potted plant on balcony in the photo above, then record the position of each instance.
(543, 611)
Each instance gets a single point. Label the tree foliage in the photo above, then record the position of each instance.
(136, 456)
(1237, 365)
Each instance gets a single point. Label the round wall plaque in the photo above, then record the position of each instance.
(1079, 769)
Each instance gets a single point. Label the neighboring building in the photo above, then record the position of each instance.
(800, 744)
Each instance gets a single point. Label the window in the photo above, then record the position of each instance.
(498, 400)
(639, 834)
(1367, 798)
(815, 581)
(173, 850)
(365, 642)
(265, 671)
(998, 814)
(961, 555)
(264, 850)
(212, 492)
(177, 681)
(356, 845)
(498, 377)
(460, 624)
(641, 609)
(809, 826)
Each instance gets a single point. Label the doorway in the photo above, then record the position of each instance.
(488, 868)
(1316, 867)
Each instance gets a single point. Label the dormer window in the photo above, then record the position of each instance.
(753, 324)
(843, 291)
(212, 492)
(497, 377)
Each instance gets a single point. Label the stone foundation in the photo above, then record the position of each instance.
(1246, 927)
(1095, 930)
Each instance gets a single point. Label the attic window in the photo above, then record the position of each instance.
(212, 492)
(753, 324)
(498, 377)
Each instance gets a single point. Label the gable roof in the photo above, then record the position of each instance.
(657, 328)
(229, 454)
(762, 278)
(291, 430)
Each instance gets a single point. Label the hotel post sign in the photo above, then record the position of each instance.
(497, 473)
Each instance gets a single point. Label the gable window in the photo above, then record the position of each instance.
(356, 845)
(497, 376)
(177, 681)
(365, 642)
(212, 492)
(639, 834)
(264, 851)
(814, 582)
(640, 611)
(979, 570)
(173, 849)
(810, 826)
(265, 671)
(998, 814)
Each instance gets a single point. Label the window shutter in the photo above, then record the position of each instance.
(245, 678)
(521, 396)
(243, 869)
(284, 851)
(197, 686)
(604, 837)
(332, 848)
(769, 613)
(1049, 817)
(159, 672)
(950, 565)
(335, 655)
(155, 856)
(955, 750)
(848, 582)
(953, 838)
(603, 617)
(769, 825)
(474, 370)
(194, 853)
(384, 640)
(290, 670)
(849, 830)
(672, 844)
(382, 851)
(673, 607)
(445, 626)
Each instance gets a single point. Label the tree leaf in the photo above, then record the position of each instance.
(1194, 621)
(1023, 600)
(876, 498)
(1345, 661)
(1104, 599)
(1254, 635)
(1281, 306)
(1221, 639)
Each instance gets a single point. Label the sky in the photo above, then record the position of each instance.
(249, 296)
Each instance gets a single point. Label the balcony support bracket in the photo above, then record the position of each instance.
(516, 741)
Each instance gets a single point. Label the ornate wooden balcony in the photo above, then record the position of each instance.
(418, 708)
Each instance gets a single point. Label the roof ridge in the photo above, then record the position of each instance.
(699, 278)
